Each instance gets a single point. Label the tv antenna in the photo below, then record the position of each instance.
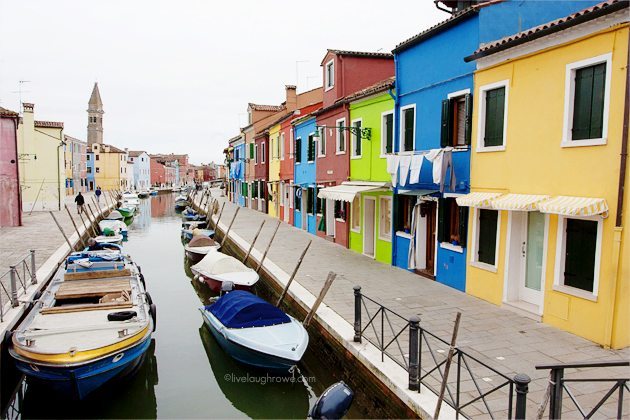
(20, 91)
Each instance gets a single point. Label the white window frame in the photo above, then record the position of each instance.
(383, 137)
(481, 121)
(561, 240)
(281, 140)
(321, 141)
(255, 154)
(354, 138)
(389, 199)
(298, 151)
(357, 198)
(338, 135)
(569, 97)
(328, 82)
(262, 152)
(401, 139)
(291, 145)
(475, 242)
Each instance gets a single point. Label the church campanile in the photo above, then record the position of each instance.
(95, 118)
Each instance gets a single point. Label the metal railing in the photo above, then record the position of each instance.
(19, 277)
(558, 386)
(475, 390)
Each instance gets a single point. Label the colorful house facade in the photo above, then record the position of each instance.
(547, 214)
(11, 203)
(273, 203)
(237, 170)
(141, 164)
(110, 164)
(90, 170)
(305, 171)
(261, 168)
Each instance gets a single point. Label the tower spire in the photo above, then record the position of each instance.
(95, 117)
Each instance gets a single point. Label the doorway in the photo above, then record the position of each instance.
(425, 239)
(330, 218)
(303, 208)
(369, 222)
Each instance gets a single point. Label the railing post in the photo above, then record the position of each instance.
(14, 298)
(33, 271)
(357, 314)
(522, 381)
(555, 399)
(414, 354)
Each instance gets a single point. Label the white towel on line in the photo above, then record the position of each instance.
(435, 157)
(405, 163)
(416, 166)
(392, 167)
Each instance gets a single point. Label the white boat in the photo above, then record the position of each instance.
(130, 199)
(118, 226)
(113, 239)
(114, 215)
(216, 267)
(143, 194)
(199, 247)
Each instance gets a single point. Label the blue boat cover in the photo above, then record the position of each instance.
(241, 309)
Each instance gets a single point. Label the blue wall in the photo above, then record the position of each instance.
(304, 172)
(237, 173)
(90, 176)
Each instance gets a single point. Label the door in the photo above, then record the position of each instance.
(431, 215)
(330, 217)
(303, 208)
(369, 223)
(532, 248)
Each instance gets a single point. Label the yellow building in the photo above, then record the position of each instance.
(273, 207)
(41, 162)
(546, 225)
(110, 165)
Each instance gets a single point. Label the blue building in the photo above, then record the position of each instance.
(237, 171)
(89, 169)
(304, 173)
(433, 114)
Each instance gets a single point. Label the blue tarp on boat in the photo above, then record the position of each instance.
(241, 309)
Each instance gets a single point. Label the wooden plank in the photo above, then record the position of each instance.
(85, 307)
(89, 288)
(102, 274)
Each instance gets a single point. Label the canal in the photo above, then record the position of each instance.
(186, 374)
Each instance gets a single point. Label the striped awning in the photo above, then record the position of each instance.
(518, 202)
(347, 191)
(477, 199)
(574, 206)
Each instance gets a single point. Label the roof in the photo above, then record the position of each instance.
(435, 29)
(377, 87)
(48, 124)
(270, 108)
(112, 149)
(95, 98)
(73, 139)
(584, 15)
(136, 153)
(278, 120)
(7, 112)
(359, 54)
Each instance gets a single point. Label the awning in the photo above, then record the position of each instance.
(574, 206)
(518, 202)
(477, 199)
(417, 192)
(347, 191)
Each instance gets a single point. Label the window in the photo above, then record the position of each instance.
(404, 212)
(408, 124)
(310, 152)
(493, 117)
(291, 145)
(251, 151)
(87, 157)
(310, 203)
(89, 170)
(281, 142)
(356, 214)
(96, 157)
(298, 199)
(236, 155)
(340, 210)
(321, 203)
(587, 90)
(255, 154)
(341, 136)
(452, 222)
(456, 120)
(276, 149)
(97, 170)
(487, 228)
(356, 138)
(322, 142)
(298, 150)
(385, 218)
(387, 133)
(578, 254)
(262, 152)
(255, 189)
(329, 75)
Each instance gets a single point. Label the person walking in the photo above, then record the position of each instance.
(80, 200)
(98, 194)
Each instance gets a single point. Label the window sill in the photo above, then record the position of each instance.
(490, 149)
(386, 239)
(573, 291)
(583, 143)
(451, 247)
(339, 220)
(356, 157)
(484, 266)
(340, 153)
(355, 230)
(329, 88)
(384, 156)
(406, 153)
(404, 235)
(310, 161)
(321, 156)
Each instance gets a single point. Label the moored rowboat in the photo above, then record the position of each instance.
(199, 247)
(216, 267)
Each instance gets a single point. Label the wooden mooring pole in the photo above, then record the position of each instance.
(216, 225)
(322, 293)
(262, 260)
(225, 235)
(75, 225)
(251, 246)
(295, 270)
(93, 216)
(447, 365)
(61, 230)
(88, 226)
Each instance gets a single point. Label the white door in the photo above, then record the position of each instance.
(330, 217)
(532, 246)
(369, 223)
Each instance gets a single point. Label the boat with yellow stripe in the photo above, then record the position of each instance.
(93, 323)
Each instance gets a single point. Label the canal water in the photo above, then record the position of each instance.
(185, 374)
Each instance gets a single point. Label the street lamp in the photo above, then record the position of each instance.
(361, 132)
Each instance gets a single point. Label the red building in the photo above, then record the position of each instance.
(11, 202)
(158, 172)
(344, 72)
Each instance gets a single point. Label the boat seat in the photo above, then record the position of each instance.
(89, 288)
(96, 274)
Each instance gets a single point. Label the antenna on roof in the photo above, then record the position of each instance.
(20, 91)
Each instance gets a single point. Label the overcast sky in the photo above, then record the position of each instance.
(177, 76)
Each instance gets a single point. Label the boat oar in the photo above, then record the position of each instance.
(329, 281)
(297, 266)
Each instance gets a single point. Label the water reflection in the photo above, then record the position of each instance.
(161, 205)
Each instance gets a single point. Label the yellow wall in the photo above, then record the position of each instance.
(108, 176)
(535, 163)
(274, 169)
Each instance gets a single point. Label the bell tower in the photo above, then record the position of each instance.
(95, 117)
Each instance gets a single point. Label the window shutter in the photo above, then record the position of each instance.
(389, 133)
(442, 220)
(298, 150)
(597, 103)
(251, 150)
(580, 248)
(468, 107)
(582, 103)
(495, 105)
(446, 123)
(409, 120)
(463, 226)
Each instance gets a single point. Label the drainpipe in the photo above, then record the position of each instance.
(608, 339)
(396, 99)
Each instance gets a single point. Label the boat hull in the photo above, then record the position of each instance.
(249, 356)
(126, 212)
(194, 257)
(215, 285)
(77, 382)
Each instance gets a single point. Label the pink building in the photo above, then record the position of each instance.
(11, 202)
(158, 172)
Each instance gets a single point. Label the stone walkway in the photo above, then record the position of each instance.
(506, 341)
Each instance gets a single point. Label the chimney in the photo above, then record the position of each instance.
(291, 97)
(28, 123)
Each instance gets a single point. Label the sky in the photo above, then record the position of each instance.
(177, 76)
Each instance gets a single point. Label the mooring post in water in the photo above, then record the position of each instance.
(216, 225)
(251, 246)
(295, 270)
(357, 314)
(447, 365)
(75, 225)
(61, 230)
(414, 353)
(262, 260)
(33, 271)
(329, 281)
(225, 235)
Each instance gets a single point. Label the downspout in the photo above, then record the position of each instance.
(618, 229)
(396, 99)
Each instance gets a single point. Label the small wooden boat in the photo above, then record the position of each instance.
(92, 323)
(192, 224)
(216, 267)
(153, 191)
(118, 226)
(199, 247)
(114, 215)
(143, 194)
(127, 211)
(181, 202)
(255, 332)
(191, 215)
(116, 238)
(188, 234)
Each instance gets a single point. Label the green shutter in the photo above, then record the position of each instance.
(597, 103)
(409, 122)
(463, 226)
(357, 147)
(442, 232)
(251, 150)
(445, 132)
(468, 107)
(588, 104)
(487, 236)
(495, 107)
(389, 133)
(579, 265)
(298, 150)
